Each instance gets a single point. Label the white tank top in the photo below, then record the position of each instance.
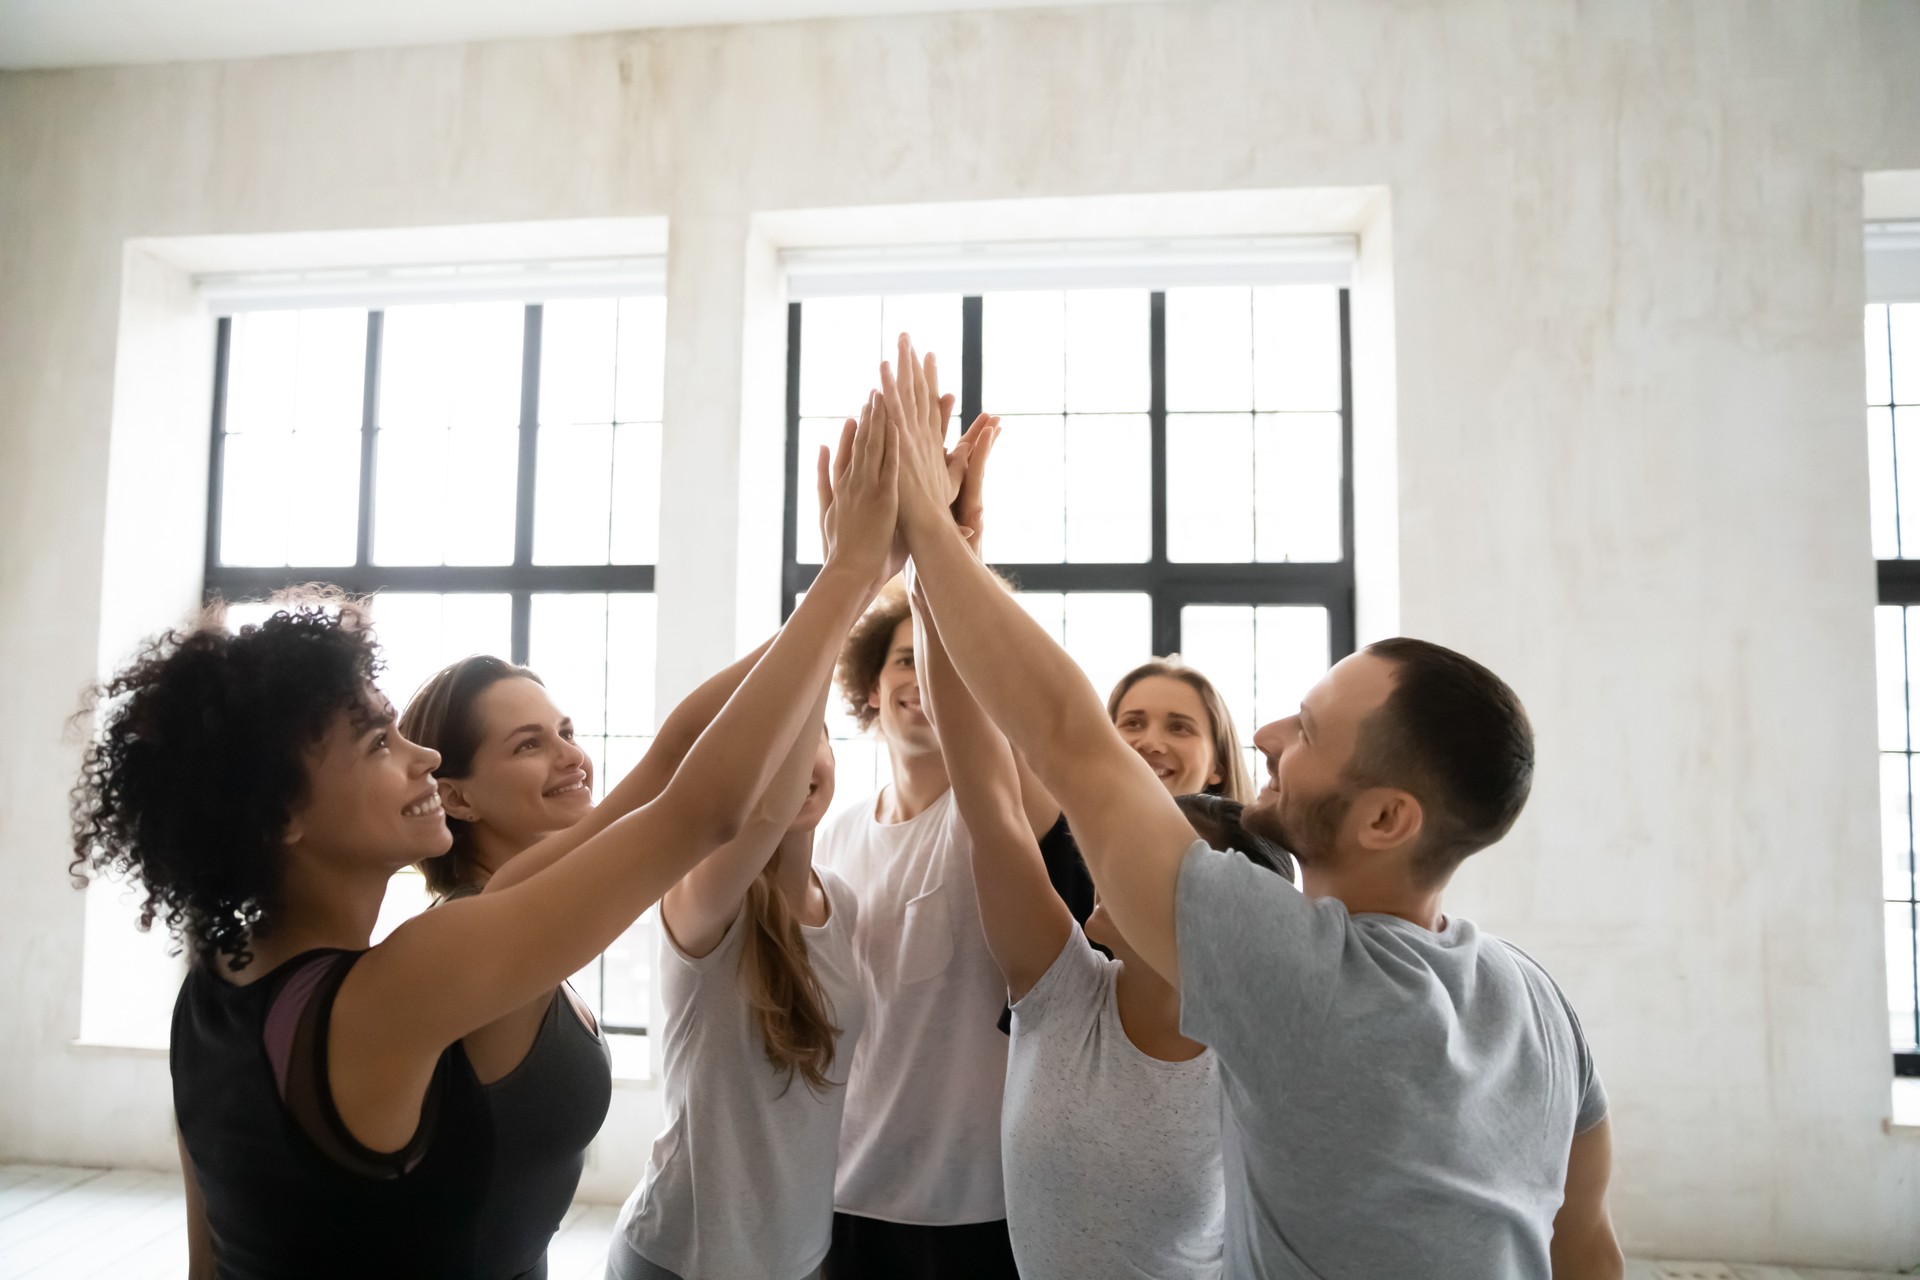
(920, 1142)
(740, 1183)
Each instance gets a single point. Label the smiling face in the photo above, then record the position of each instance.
(528, 777)
(1307, 802)
(370, 799)
(896, 697)
(1164, 720)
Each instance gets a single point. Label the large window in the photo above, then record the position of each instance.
(488, 473)
(1174, 477)
(1893, 427)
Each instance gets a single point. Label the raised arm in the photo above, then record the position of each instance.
(1128, 827)
(645, 780)
(1025, 922)
(450, 970)
(698, 910)
(1584, 1247)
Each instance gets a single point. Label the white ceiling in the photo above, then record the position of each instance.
(78, 33)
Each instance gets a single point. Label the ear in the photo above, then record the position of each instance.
(455, 803)
(1389, 818)
(873, 696)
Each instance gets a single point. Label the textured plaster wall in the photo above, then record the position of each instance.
(1625, 395)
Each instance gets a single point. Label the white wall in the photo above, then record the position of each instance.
(1626, 281)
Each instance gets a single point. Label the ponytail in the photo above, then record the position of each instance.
(777, 978)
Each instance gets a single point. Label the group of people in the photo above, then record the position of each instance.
(1050, 1004)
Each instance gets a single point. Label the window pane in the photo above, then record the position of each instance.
(636, 493)
(626, 974)
(572, 509)
(1896, 826)
(840, 353)
(263, 349)
(1906, 471)
(253, 499)
(331, 377)
(1296, 348)
(410, 497)
(1878, 373)
(1900, 965)
(323, 499)
(567, 645)
(421, 632)
(1027, 523)
(1890, 654)
(1210, 487)
(481, 474)
(577, 361)
(1108, 337)
(1904, 319)
(416, 368)
(814, 432)
(1262, 659)
(933, 321)
(1109, 488)
(488, 347)
(631, 629)
(1108, 633)
(1023, 353)
(1209, 349)
(296, 370)
(1886, 529)
(1296, 471)
(640, 373)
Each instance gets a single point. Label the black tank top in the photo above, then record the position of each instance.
(289, 1192)
(545, 1112)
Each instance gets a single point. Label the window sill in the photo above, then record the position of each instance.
(110, 1049)
(1905, 1119)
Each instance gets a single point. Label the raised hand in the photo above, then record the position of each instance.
(918, 420)
(969, 504)
(858, 495)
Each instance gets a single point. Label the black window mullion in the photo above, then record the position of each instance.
(972, 311)
(217, 453)
(1341, 619)
(790, 585)
(1163, 603)
(369, 438)
(525, 475)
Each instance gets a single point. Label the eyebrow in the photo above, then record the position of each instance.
(900, 649)
(566, 722)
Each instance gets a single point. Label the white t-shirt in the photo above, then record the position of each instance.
(740, 1183)
(1112, 1156)
(920, 1143)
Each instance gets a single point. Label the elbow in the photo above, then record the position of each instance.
(708, 816)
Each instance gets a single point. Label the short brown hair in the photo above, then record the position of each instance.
(864, 654)
(1454, 735)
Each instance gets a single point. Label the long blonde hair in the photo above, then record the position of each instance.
(776, 976)
(1235, 783)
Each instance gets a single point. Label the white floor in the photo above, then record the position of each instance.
(130, 1224)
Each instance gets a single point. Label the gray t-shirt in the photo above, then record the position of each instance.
(1112, 1158)
(740, 1183)
(1399, 1102)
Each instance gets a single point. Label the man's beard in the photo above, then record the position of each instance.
(1306, 827)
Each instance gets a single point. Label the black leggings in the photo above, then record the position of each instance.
(869, 1249)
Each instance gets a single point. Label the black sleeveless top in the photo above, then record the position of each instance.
(289, 1192)
(545, 1112)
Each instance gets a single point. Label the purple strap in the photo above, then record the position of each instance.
(283, 1019)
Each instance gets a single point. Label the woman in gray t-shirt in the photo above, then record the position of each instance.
(1110, 1129)
(763, 1006)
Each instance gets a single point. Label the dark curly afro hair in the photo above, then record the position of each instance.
(200, 760)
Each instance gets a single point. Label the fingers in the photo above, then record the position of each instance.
(824, 478)
(930, 379)
(869, 443)
(892, 393)
(946, 413)
(843, 456)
